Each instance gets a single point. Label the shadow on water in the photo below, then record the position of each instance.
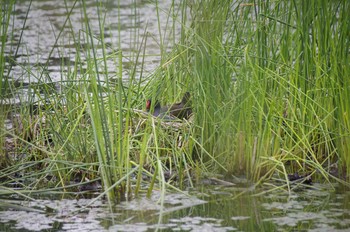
(209, 208)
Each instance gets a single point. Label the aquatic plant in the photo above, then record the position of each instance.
(268, 92)
(270, 86)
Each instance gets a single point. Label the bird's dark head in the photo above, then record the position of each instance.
(149, 105)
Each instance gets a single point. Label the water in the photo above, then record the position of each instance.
(207, 208)
(48, 42)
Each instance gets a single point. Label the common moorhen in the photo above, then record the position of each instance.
(158, 111)
(182, 109)
(179, 110)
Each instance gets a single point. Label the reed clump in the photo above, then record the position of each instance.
(269, 95)
(269, 84)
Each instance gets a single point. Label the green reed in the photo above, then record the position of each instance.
(5, 22)
(269, 95)
(269, 85)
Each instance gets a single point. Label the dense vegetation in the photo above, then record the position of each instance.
(269, 88)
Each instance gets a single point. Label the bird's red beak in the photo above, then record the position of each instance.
(148, 104)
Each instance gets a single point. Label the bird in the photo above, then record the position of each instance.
(179, 110)
(182, 109)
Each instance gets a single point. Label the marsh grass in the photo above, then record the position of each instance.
(269, 95)
(267, 80)
(282, 106)
(5, 19)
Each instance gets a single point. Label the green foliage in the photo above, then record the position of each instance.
(269, 83)
(269, 95)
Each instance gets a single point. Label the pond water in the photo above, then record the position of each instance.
(46, 42)
(208, 208)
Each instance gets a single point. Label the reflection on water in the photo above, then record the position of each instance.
(209, 209)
